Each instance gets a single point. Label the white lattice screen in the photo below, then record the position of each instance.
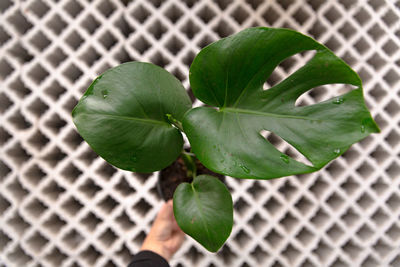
(61, 204)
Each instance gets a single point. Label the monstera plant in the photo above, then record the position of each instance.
(134, 115)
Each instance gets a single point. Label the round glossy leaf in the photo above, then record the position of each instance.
(204, 210)
(229, 74)
(122, 116)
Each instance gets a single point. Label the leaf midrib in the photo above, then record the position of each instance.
(150, 121)
(198, 203)
(266, 114)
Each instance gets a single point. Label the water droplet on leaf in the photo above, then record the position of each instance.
(104, 93)
(285, 158)
(366, 123)
(336, 151)
(338, 101)
(244, 168)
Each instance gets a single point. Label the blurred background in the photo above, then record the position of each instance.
(62, 205)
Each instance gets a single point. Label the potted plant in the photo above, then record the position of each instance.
(134, 115)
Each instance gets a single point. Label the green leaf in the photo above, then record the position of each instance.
(204, 210)
(122, 116)
(230, 73)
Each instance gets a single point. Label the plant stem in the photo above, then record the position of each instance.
(174, 122)
(189, 160)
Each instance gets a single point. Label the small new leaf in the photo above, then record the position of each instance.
(204, 210)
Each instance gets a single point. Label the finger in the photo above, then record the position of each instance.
(174, 224)
(166, 212)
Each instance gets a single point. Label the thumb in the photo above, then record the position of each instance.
(166, 212)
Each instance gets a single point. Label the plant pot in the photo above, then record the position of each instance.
(169, 178)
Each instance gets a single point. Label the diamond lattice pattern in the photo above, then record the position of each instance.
(61, 204)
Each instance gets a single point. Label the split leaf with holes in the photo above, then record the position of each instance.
(229, 76)
(133, 116)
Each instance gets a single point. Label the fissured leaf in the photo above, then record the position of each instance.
(229, 74)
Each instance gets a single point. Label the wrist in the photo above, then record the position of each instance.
(156, 248)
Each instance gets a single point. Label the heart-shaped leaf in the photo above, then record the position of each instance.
(204, 210)
(230, 73)
(122, 116)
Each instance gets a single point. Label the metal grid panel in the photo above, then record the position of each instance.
(60, 204)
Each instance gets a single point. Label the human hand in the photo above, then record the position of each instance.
(165, 236)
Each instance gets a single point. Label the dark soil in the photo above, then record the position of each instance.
(175, 174)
